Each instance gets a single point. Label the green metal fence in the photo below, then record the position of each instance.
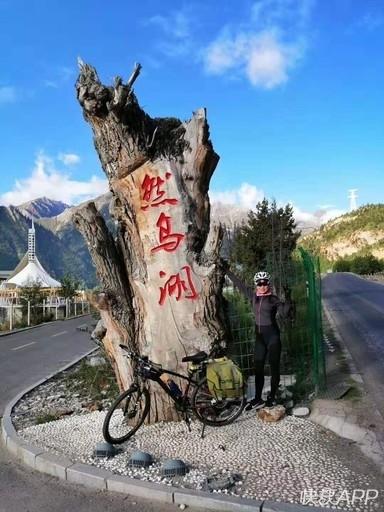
(302, 359)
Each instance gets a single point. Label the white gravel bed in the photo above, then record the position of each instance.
(276, 461)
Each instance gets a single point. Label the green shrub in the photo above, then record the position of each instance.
(342, 265)
(366, 265)
(361, 265)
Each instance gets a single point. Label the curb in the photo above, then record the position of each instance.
(16, 331)
(351, 364)
(97, 478)
(344, 426)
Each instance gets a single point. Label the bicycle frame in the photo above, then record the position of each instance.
(144, 369)
(180, 401)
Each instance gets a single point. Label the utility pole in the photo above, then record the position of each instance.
(352, 199)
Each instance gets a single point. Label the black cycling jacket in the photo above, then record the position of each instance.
(264, 308)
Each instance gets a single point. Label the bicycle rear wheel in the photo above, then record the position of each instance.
(126, 415)
(213, 412)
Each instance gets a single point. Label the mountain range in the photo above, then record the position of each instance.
(61, 249)
(42, 207)
(357, 233)
(59, 246)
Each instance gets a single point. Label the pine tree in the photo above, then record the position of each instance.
(265, 241)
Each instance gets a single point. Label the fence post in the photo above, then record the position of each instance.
(314, 309)
(29, 314)
(82, 307)
(322, 368)
(11, 317)
(43, 309)
(66, 308)
(75, 308)
(56, 309)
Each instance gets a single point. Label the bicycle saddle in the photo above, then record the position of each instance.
(196, 358)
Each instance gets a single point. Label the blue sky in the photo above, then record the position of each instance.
(293, 91)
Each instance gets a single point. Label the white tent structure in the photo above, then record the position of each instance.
(29, 271)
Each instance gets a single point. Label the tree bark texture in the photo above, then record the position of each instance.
(161, 274)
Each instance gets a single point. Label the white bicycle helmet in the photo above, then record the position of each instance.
(261, 276)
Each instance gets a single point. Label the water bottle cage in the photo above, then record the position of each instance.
(148, 371)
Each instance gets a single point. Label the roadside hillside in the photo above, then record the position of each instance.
(358, 233)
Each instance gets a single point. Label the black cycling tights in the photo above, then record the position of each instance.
(267, 344)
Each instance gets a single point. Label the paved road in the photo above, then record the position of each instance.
(357, 306)
(27, 357)
(31, 355)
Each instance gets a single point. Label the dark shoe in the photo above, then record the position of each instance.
(255, 403)
(271, 402)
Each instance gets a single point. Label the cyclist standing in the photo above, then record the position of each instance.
(265, 307)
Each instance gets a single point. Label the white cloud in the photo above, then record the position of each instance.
(310, 220)
(264, 48)
(59, 76)
(296, 13)
(46, 180)
(269, 60)
(331, 214)
(302, 216)
(176, 25)
(326, 206)
(7, 94)
(69, 158)
(263, 58)
(177, 31)
(51, 83)
(246, 196)
(371, 21)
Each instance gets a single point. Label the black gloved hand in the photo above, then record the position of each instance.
(287, 293)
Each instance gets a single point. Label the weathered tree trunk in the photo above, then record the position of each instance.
(161, 276)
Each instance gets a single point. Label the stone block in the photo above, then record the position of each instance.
(27, 453)
(274, 506)
(53, 465)
(22, 450)
(15, 444)
(215, 501)
(7, 428)
(140, 488)
(354, 432)
(90, 476)
(335, 424)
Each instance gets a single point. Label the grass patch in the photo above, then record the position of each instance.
(46, 417)
(97, 382)
(353, 394)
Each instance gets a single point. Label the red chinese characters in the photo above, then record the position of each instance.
(180, 285)
(176, 286)
(152, 194)
(168, 241)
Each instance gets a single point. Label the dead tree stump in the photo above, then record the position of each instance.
(161, 275)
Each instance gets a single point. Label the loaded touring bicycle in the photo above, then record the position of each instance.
(214, 396)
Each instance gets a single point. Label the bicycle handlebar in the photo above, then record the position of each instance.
(146, 360)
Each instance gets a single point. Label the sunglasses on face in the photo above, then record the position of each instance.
(262, 283)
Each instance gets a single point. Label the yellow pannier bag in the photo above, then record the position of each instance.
(224, 379)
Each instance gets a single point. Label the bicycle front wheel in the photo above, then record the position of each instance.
(212, 411)
(126, 415)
